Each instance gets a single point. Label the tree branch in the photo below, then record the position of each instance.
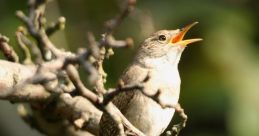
(8, 51)
(53, 83)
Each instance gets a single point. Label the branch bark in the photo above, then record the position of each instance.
(51, 84)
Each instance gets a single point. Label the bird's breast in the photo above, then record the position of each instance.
(145, 113)
(167, 80)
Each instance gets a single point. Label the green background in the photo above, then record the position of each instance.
(220, 75)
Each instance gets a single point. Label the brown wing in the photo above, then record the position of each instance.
(134, 73)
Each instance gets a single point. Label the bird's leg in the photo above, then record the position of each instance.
(178, 127)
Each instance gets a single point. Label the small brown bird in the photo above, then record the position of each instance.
(158, 57)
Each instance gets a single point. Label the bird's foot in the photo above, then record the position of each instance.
(178, 127)
(175, 130)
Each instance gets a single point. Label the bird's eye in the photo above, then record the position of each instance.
(161, 38)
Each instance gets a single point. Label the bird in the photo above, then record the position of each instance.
(158, 57)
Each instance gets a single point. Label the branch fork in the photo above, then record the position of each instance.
(52, 82)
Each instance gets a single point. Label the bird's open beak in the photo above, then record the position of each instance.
(179, 37)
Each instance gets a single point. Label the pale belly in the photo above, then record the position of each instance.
(148, 116)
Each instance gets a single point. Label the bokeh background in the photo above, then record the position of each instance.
(220, 75)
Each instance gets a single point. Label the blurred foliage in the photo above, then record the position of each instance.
(220, 76)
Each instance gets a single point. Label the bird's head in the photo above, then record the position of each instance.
(168, 44)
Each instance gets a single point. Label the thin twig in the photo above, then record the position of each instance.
(59, 25)
(35, 23)
(7, 50)
(23, 46)
(112, 24)
(94, 99)
(31, 45)
(114, 92)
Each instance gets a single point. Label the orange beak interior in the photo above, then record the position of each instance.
(179, 37)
